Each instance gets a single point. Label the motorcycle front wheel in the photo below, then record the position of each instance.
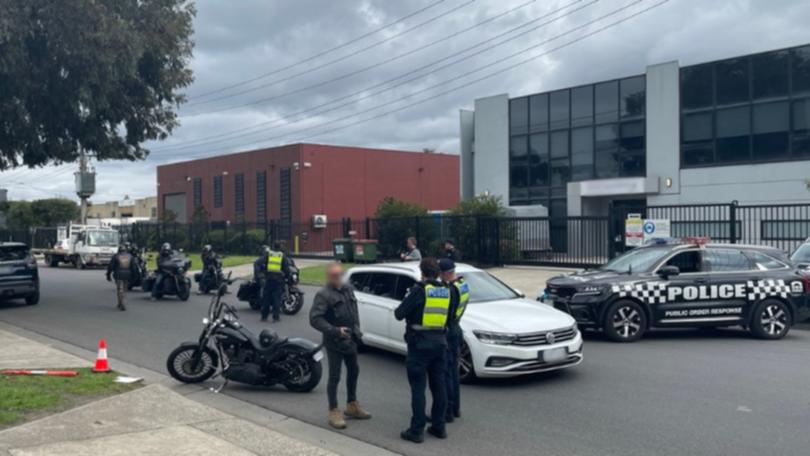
(304, 373)
(293, 302)
(184, 292)
(180, 360)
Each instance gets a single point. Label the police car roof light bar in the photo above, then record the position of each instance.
(699, 240)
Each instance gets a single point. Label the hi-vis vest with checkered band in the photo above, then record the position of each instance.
(274, 262)
(463, 297)
(437, 306)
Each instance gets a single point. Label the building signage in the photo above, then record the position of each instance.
(633, 230)
(656, 229)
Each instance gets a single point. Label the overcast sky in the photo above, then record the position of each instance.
(250, 53)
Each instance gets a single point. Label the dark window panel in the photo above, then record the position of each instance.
(770, 74)
(518, 196)
(606, 156)
(801, 70)
(518, 161)
(771, 131)
(632, 136)
(538, 145)
(582, 106)
(538, 160)
(697, 86)
(801, 128)
(518, 148)
(239, 193)
(606, 96)
(559, 112)
(732, 81)
(261, 196)
(698, 147)
(560, 172)
(198, 203)
(633, 163)
(519, 116)
(538, 113)
(632, 160)
(607, 137)
(633, 97)
(582, 154)
(559, 192)
(733, 134)
(217, 191)
(539, 195)
(559, 144)
(801, 144)
(519, 176)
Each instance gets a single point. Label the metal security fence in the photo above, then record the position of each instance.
(36, 238)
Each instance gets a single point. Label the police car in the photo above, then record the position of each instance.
(687, 284)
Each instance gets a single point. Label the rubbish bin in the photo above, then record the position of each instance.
(365, 250)
(342, 248)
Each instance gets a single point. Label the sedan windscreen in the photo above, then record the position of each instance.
(14, 253)
(484, 287)
(801, 255)
(638, 260)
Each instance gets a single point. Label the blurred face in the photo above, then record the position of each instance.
(411, 244)
(448, 246)
(334, 274)
(448, 276)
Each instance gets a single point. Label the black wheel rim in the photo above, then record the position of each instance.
(299, 372)
(183, 361)
(627, 321)
(465, 364)
(774, 319)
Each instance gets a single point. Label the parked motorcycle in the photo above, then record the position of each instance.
(227, 348)
(211, 277)
(175, 282)
(292, 298)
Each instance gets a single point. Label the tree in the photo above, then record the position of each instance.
(19, 215)
(54, 211)
(100, 76)
(391, 207)
(486, 205)
(396, 221)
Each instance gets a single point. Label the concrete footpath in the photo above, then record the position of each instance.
(164, 417)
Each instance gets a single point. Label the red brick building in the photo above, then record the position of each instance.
(294, 182)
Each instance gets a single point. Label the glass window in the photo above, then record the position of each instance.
(733, 130)
(582, 106)
(801, 128)
(771, 125)
(382, 284)
(518, 196)
(519, 116)
(197, 193)
(404, 283)
(633, 97)
(560, 173)
(559, 144)
(632, 156)
(606, 156)
(606, 96)
(801, 70)
(686, 262)
(770, 74)
(485, 287)
(538, 160)
(632, 136)
(765, 262)
(636, 260)
(261, 195)
(697, 86)
(239, 193)
(732, 81)
(698, 147)
(725, 260)
(518, 162)
(359, 280)
(217, 191)
(538, 113)
(581, 153)
(559, 110)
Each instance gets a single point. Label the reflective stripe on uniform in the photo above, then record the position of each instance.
(464, 297)
(437, 306)
(274, 261)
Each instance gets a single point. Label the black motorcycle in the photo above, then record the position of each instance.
(175, 282)
(140, 272)
(227, 348)
(292, 298)
(211, 277)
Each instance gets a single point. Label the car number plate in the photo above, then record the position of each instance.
(318, 356)
(553, 355)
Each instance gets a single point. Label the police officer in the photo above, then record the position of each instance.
(121, 266)
(164, 256)
(272, 269)
(459, 298)
(425, 310)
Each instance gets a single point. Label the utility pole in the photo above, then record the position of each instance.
(85, 184)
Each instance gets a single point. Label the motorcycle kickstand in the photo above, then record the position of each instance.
(219, 388)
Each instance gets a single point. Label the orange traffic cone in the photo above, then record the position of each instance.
(102, 365)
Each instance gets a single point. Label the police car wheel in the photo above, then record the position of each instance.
(771, 320)
(625, 321)
(466, 368)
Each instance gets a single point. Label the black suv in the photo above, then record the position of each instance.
(687, 285)
(19, 275)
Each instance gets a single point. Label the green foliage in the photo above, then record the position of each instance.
(19, 215)
(391, 207)
(396, 221)
(102, 76)
(246, 242)
(485, 205)
(54, 211)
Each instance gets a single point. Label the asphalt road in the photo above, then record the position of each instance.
(673, 393)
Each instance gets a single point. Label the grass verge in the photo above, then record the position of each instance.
(25, 398)
(316, 275)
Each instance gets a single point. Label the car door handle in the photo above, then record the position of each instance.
(701, 281)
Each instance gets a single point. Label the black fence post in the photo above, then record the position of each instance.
(732, 219)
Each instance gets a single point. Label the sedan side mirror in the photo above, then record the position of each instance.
(668, 271)
(520, 293)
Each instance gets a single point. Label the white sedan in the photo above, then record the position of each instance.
(505, 334)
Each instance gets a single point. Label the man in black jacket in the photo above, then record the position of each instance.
(121, 266)
(334, 313)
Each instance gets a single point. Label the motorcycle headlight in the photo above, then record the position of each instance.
(206, 321)
(494, 338)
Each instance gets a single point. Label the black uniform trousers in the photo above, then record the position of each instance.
(426, 364)
(271, 296)
(454, 339)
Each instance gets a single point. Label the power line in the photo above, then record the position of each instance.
(339, 59)
(221, 137)
(322, 53)
(488, 76)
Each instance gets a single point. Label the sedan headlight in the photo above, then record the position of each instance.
(592, 290)
(494, 338)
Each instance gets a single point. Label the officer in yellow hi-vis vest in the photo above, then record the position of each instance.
(271, 269)
(425, 310)
(459, 298)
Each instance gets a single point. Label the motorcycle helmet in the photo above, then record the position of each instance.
(206, 249)
(166, 248)
(264, 250)
(122, 248)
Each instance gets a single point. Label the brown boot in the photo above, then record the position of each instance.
(353, 410)
(336, 419)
